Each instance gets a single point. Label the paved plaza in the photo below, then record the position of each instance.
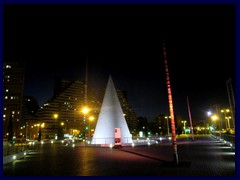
(205, 156)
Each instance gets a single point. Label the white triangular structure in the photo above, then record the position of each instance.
(111, 116)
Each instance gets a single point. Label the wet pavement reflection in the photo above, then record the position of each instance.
(202, 157)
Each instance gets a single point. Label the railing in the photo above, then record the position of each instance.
(13, 148)
(229, 138)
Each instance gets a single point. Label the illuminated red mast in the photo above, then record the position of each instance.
(174, 142)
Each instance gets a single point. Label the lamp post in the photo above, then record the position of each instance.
(91, 118)
(225, 112)
(63, 128)
(166, 117)
(85, 111)
(214, 118)
(184, 126)
(39, 132)
(55, 116)
(40, 129)
(227, 118)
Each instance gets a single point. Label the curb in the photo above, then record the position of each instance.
(13, 157)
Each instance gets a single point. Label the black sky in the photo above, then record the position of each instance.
(125, 41)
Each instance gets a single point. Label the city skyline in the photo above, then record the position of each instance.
(125, 42)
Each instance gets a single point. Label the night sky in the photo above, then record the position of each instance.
(125, 41)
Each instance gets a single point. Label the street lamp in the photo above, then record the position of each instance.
(62, 124)
(39, 132)
(55, 116)
(167, 117)
(227, 118)
(85, 111)
(214, 118)
(91, 118)
(225, 112)
(184, 125)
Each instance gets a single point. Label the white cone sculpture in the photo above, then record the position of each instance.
(111, 117)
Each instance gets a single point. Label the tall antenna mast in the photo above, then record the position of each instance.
(190, 119)
(85, 110)
(86, 80)
(231, 100)
(170, 101)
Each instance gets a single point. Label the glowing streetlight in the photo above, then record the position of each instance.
(91, 118)
(55, 116)
(167, 117)
(184, 125)
(85, 110)
(214, 118)
(209, 113)
(225, 112)
(227, 118)
(40, 126)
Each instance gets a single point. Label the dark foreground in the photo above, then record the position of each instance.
(205, 156)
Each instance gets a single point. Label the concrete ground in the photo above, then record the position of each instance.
(205, 156)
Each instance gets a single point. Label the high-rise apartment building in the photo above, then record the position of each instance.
(62, 113)
(13, 81)
(129, 113)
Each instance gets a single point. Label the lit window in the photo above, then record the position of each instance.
(11, 97)
(6, 97)
(6, 90)
(4, 115)
(5, 109)
(13, 112)
(8, 66)
(28, 99)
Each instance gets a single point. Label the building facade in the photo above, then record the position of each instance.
(62, 110)
(62, 114)
(13, 82)
(129, 113)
